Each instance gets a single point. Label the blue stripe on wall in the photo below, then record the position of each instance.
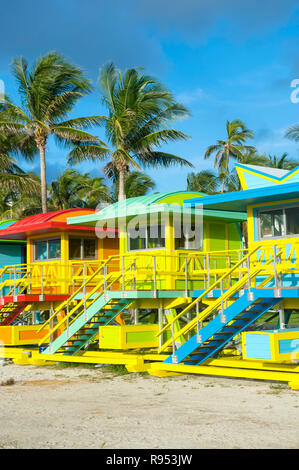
(288, 345)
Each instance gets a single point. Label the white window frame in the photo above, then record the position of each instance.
(271, 209)
(42, 240)
(148, 227)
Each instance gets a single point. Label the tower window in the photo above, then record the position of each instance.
(278, 223)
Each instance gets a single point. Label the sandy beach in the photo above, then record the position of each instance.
(95, 407)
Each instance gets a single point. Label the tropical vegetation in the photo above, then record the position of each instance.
(138, 125)
(139, 109)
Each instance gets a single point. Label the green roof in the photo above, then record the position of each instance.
(157, 202)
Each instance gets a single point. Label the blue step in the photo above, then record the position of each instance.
(216, 334)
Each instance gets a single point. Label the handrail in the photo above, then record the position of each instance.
(65, 302)
(212, 287)
(81, 303)
(207, 311)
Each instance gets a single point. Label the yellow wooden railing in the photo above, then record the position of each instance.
(263, 263)
(163, 270)
(109, 281)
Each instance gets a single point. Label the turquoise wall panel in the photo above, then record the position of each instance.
(257, 346)
(11, 254)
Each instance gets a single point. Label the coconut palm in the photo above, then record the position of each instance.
(293, 132)
(63, 192)
(74, 189)
(281, 162)
(232, 182)
(250, 156)
(139, 109)
(22, 200)
(12, 177)
(136, 184)
(94, 191)
(204, 181)
(233, 146)
(48, 93)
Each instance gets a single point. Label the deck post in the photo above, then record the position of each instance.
(84, 290)
(215, 267)
(155, 277)
(276, 287)
(210, 294)
(250, 297)
(160, 322)
(67, 320)
(42, 280)
(135, 313)
(14, 281)
(123, 275)
(205, 269)
(134, 284)
(222, 315)
(174, 356)
(50, 328)
(198, 328)
(240, 291)
(186, 277)
(105, 278)
(282, 323)
(73, 277)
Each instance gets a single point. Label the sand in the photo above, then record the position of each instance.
(54, 407)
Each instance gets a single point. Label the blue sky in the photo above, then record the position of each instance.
(224, 60)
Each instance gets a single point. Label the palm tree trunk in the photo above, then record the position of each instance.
(41, 144)
(223, 183)
(226, 168)
(121, 185)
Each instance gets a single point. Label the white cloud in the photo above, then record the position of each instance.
(189, 97)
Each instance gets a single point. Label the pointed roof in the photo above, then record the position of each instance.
(238, 201)
(253, 176)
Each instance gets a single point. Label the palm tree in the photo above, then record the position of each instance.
(139, 109)
(12, 177)
(232, 182)
(63, 192)
(233, 146)
(23, 200)
(48, 93)
(281, 162)
(293, 132)
(94, 191)
(250, 156)
(204, 181)
(136, 184)
(74, 189)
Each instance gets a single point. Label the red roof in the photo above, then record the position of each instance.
(48, 222)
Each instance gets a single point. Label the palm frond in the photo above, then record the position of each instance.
(161, 159)
(293, 132)
(86, 152)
